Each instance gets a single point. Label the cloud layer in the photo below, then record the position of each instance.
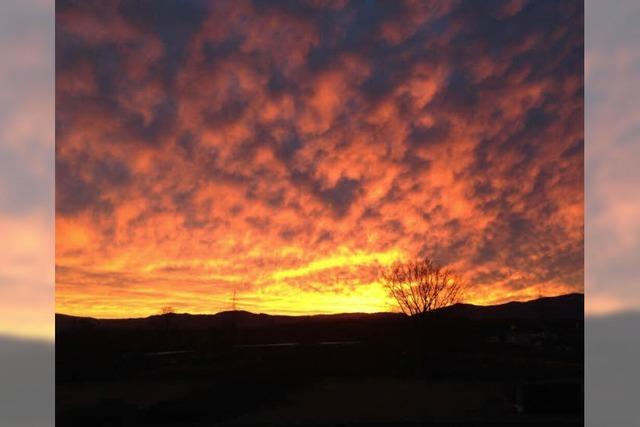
(284, 150)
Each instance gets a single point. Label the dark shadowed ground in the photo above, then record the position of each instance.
(515, 364)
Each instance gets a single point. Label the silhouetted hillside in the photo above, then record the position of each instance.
(565, 307)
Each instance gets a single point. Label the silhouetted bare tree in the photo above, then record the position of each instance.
(419, 286)
(167, 310)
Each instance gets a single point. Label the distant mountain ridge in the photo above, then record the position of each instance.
(564, 307)
(238, 319)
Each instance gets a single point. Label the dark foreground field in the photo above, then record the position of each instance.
(515, 364)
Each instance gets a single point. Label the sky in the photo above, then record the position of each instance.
(285, 151)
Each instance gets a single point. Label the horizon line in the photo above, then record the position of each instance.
(315, 314)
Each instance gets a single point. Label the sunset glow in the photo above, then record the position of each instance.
(284, 151)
